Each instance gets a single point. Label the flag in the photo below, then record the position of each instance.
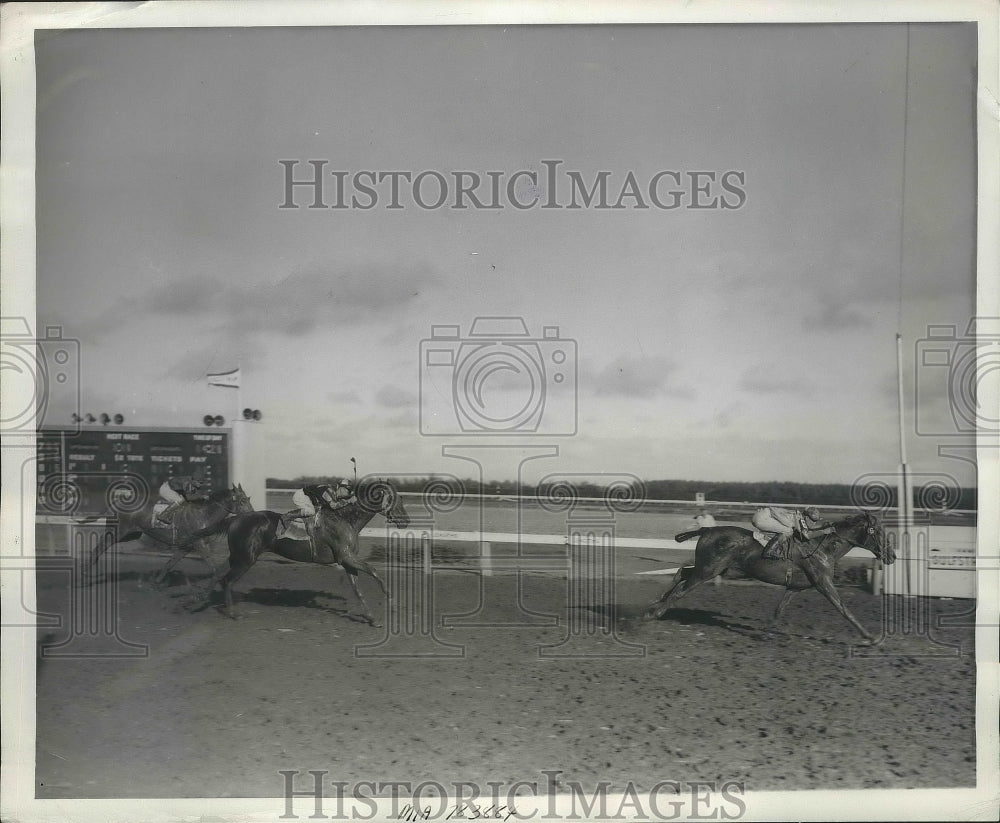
(226, 379)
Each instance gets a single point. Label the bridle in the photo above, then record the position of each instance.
(235, 497)
(872, 527)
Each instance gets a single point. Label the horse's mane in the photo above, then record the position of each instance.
(852, 519)
(370, 490)
(219, 495)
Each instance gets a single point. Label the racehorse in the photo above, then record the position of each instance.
(194, 522)
(335, 537)
(810, 563)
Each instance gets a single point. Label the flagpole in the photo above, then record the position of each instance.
(905, 492)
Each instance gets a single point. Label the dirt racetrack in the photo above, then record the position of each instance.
(219, 706)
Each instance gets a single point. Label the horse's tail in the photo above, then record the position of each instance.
(688, 535)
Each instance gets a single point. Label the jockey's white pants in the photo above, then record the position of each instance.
(169, 494)
(303, 503)
(764, 521)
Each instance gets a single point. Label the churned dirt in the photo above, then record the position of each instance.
(217, 707)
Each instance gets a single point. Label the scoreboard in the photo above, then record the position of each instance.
(103, 470)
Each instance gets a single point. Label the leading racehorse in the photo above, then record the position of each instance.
(810, 563)
(336, 535)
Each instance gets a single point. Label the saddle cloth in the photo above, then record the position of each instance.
(295, 530)
(805, 549)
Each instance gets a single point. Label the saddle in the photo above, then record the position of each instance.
(294, 530)
(783, 544)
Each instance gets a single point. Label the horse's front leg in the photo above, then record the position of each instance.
(204, 549)
(822, 579)
(179, 554)
(786, 598)
(352, 578)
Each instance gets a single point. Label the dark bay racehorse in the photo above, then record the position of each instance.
(193, 523)
(336, 537)
(810, 564)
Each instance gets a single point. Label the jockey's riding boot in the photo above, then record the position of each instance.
(166, 515)
(310, 524)
(772, 551)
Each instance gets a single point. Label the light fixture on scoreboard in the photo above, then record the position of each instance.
(216, 420)
(105, 418)
(252, 414)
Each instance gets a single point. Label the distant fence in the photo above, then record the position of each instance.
(689, 504)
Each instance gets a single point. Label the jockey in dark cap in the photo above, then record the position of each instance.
(180, 490)
(787, 524)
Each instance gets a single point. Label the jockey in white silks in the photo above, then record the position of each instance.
(177, 491)
(784, 524)
(310, 499)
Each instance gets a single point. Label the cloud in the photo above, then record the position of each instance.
(349, 396)
(309, 298)
(757, 383)
(635, 377)
(839, 314)
(393, 397)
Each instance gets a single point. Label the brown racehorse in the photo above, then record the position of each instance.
(194, 522)
(335, 534)
(810, 563)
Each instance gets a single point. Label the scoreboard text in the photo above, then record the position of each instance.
(98, 471)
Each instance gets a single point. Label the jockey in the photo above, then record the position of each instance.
(784, 524)
(180, 490)
(343, 494)
(310, 499)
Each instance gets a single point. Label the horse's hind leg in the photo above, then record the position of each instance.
(678, 580)
(683, 587)
(178, 555)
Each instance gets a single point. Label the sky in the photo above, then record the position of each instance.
(749, 343)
